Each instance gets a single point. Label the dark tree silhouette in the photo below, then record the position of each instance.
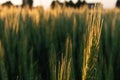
(80, 3)
(56, 4)
(118, 3)
(69, 4)
(27, 2)
(8, 3)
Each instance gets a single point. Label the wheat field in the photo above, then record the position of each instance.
(59, 44)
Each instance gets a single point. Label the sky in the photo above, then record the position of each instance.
(46, 3)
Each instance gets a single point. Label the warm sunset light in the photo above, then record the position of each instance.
(46, 3)
(59, 39)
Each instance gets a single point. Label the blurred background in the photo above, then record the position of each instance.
(46, 3)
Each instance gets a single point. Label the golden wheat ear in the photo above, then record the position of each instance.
(91, 45)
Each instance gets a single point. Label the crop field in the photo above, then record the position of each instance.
(59, 44)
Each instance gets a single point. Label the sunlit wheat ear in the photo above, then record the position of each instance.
(34, 14)
(12, 19)
(64, 69)
(91, 44)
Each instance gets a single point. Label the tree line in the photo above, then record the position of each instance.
(68, 4)
(56, 3)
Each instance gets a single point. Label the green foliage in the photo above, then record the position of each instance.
(50, 45)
